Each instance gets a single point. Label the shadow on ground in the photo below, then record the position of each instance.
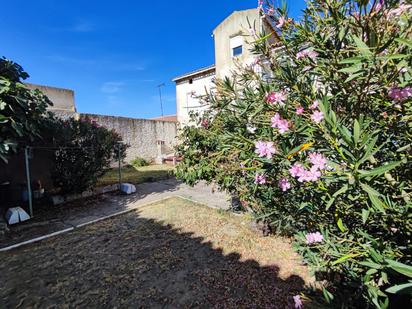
(136, 262)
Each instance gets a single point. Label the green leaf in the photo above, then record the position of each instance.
(404, 41)
(340, 225)
(362, 47)
(328, 295)
(369, 150)
(352, 69)
(380, 170)
(369, 189)
(345, 257)
(377, 203)
(353, 76)
(400, 268)
(340, 191)
(405, 288)
(356, 131)
(354, 60)
(370, 264)
(393, 57)
(365, 215)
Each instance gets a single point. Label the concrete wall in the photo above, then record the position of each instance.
(141, 134)
(186, 97)
(63, 99)
(235, 25)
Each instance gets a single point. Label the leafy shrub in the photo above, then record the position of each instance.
(21, 110)
(320, 145)
(138, 162)
(84, 152)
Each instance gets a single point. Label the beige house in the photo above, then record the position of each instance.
(233, 38)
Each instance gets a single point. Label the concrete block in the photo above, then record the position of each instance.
(16, 215)
(127, 188)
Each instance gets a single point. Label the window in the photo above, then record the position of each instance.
(236, 45)
(236, 51)
(191, 81)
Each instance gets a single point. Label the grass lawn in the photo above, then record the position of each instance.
(137, 175)
(172, 254)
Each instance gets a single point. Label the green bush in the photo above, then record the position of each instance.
(83, 152)
(139, 162)
(21, 110)
(321, 144)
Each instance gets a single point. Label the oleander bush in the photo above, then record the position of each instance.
(315, 138)
(82, 152)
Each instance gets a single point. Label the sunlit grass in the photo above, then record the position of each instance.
(137, 175)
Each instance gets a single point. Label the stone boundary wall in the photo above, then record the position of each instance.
(147, 138)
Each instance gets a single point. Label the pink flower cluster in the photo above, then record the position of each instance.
(317, 116)
(309, 175)
(284, 184)
(205, 123)
(307, 54)
(260, 179)
(281, 124)
(300, 110)
(298, 302)
(403, 8)
(312, 238)
(265, 149)
(400, 94)
(277, 97)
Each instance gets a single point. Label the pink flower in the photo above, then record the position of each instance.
(276, 97)
(275, 120)
(260, 179)
(400, 94)
(318, 160)
(271, 11)
(317, 116)
(300, 110)
(284, 184)
(205, 123)
(312, 238)
(403, 8)
(265, 149)
(296, 170)
(281, 22)
(281, 124)
(315, 105)
(298, 302)
(379, 6)
(307, 54)
(309, 175)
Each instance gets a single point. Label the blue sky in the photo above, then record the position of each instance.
(113, 54)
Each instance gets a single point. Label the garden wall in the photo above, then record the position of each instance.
(144, 136)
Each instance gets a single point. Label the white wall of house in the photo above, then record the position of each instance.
(188, 89)
(233, 41)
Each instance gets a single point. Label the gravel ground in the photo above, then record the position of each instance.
(172, 254)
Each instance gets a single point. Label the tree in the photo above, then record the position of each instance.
(21, 110)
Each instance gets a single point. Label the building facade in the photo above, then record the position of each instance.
(233, 39)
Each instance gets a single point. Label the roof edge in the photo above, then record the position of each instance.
(195, 72)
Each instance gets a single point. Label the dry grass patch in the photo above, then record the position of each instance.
(172, 254)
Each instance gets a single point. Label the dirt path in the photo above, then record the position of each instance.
(50, 219)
